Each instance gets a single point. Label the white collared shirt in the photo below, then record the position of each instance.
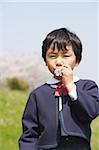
(72, 93)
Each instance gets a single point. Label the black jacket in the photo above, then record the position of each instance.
(40, 117)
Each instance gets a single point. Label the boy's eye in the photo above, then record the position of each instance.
(52, 56)
(66, 55)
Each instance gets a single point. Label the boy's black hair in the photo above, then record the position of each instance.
(61, 38)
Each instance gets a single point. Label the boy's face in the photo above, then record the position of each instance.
(55, 59)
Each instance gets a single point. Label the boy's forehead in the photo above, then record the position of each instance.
(55, 48)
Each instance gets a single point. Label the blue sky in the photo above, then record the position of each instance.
(23, 26)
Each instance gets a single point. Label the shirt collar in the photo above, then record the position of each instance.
(55, 81)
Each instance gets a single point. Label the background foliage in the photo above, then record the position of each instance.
(16, 83)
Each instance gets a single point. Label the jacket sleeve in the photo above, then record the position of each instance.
(86, 107)
(29, 137)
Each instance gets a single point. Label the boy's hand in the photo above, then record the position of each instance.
(67, 77)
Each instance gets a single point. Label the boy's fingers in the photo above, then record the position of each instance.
(68, 67)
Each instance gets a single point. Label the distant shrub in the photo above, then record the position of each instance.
(15, 83)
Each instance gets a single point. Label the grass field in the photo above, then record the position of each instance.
(11, 107)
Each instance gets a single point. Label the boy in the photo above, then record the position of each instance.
(58, 114)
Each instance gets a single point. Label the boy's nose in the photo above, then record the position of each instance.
(59, 62)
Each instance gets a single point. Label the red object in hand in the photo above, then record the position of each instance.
(61, 90)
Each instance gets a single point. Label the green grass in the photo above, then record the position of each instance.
(95, 134)
(11, 108)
